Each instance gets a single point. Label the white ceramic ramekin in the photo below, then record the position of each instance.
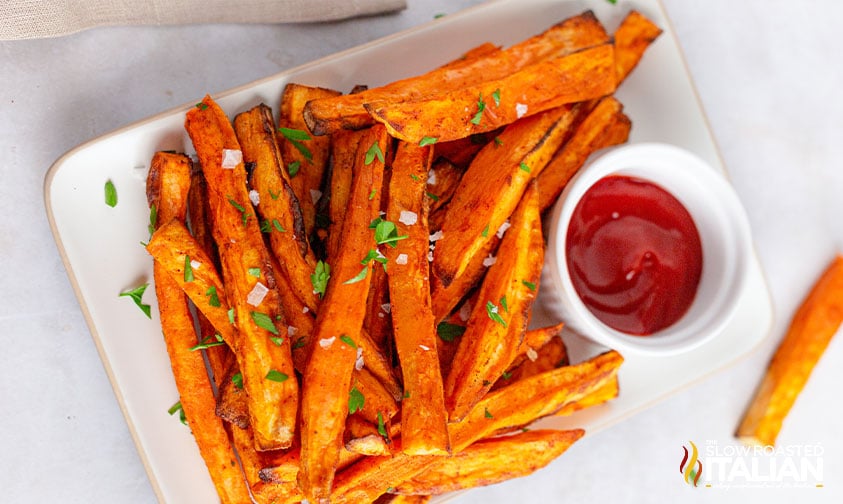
(724, 234)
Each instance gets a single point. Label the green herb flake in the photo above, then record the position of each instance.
(319, 278)
(481, 106)
(529, 285)
(188, 270)
(382, 427)
(432, 196)
(213, 297)
(255, 272)
(278, 227)
(425, 141)
(492, 311)
(110, 194)
(448, 331)
(524, 167)
(274, 195)
(231, 316)
(243, 214)
(496, 95)
(137, 296)
(373, 152)
(356, 401)
(437, 16)
(176, 408)
(300, 343)
(209, 342)
(498, 142)
(386, 232)
(374, 255)
(358, 277)
(414, 177)
(202, 106)
(348, 341)
(237, 380)
(276, 376)
(506, 375)
(613, 2)
(485, 231)
(486, 413)
(486, 383)
(503, 304)
(406, 394)
(293, 168)
(153, 219)
(296, 137)
(278, 340)
(264, 321)
(372, 194)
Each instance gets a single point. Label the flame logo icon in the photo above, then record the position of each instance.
(691, 468)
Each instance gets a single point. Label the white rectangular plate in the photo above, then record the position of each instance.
(100, 245)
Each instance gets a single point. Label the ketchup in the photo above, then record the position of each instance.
(634, 255)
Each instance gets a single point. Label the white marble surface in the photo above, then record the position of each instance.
(768, 73)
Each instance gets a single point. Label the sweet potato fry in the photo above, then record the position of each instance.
(603, 126)
(378, 321)
(403, 499)
(461, 151)
(632, 38)
(347, 112)
(278, 206)
(172, 246)
(266, 363)
(442, 181)
(490, 461)
(600, 395)
(580, 76)
(305, 158)
(363, 437)
(423, 413)
(499, 318)
(551, 355)
(814, 324)
(327, 378)
(491, 188)
(168, 185)
(232, 404)
(343, 148)
(523, 402)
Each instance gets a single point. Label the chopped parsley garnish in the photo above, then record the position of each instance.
(278, 340)
(267, 226)
(529, 285)
(255, 272)
(293, 168)
(276, 376)
(348, 341)
(448, 331)
(492, 311)
(382, 427)
(485, 231)
(202, 105)
(243, 215)
(406, 394)
(374, 255)
(385, 232)
(486, 413)
(231, 316)
(432, 196)
(506, 375)
(237, 380)
(372, 194)
(177, 408)
(274, 195)
(486, 382)
(481, 106)
(497, 97)
(498, 142)
(264, 321)
(613, 2)
(110, 194)
(296, 137)
(213, 298)
(503, 304)
(358, 277)
(153, 219)
(319, 278)
(137, 296)
(414, 177)
(300, 343)
(524, 167)
(374, 151)
(356, 401)
(209, 342)
(435, 16)
(427, 141)
(188, 269)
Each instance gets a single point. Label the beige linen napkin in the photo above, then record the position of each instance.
(26, 19)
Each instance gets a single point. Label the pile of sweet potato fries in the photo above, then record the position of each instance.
(363, 271)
